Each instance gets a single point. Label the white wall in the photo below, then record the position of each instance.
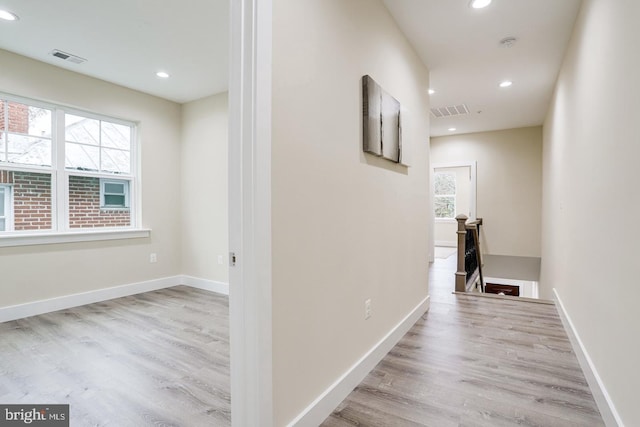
(509, 181)
(204, 203)
(346, 226)
(33, 273)
(591, 197)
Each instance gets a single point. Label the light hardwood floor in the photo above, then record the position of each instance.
(162, 358)
(473, 361)
(154, 359)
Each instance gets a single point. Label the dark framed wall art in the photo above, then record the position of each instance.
(381, 122)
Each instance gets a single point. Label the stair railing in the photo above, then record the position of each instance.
(469, 270)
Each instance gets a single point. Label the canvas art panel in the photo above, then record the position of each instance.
(382, 133)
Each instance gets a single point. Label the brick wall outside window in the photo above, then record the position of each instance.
(84, 206)
(31, 199)
(18, 118)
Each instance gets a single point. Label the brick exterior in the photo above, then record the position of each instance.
(84, 206)
(31, 199)
(32, 202)
(18, 118)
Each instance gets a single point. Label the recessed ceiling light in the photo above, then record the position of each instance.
(479, 4)
(431, 91)
(162, 74)
(506, 83)
(8, 16)
(452, 129)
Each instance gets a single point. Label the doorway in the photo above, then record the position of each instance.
(454, 193)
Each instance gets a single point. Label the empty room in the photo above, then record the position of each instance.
(260, 212)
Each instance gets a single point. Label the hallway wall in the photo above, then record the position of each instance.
(346, 226)
(591, 173)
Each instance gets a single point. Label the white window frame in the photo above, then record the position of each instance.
(125, 183)
(436, 196)
(8, 208)
(60, 231)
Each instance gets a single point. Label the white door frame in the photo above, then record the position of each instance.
(474, 185)
(474, 181)
(250, 213)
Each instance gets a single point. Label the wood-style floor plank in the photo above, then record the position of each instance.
(473, 361)
(158, 358)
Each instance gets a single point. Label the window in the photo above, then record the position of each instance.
(63, 169)
(114, 194)
(6, 219)
(445, 195)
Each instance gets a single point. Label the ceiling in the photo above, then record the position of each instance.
(126, 42)
(461, 47)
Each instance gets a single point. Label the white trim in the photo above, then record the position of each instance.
(48, 238)
(474, 180)
(447, 243)
(324, 405)
(607, 409)
(8, 206)
(446, 220)
(250, 213)
(35, 308)
(205, 284)
(74, 300)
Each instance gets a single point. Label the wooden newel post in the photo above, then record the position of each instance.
(461, 274)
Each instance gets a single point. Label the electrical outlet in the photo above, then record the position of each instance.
(220, 261)
(367, 308)
(153, 257)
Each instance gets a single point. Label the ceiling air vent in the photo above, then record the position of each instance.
(455, 110)
(67, 56)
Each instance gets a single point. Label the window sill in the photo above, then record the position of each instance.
(446, 220)
(72, 237)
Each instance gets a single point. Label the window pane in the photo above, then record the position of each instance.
(27, 150)
(84, 205)
(31, 201)
(117, 161)
(82, 157)
(29, 120)
(445, 183)
(81, 129)
(114, 200)
(2, 195)
(445, 206)
(111, 188)
(116, 136)
(3, 226)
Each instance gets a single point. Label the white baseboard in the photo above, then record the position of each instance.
(324, 405)
(74, 300)
(607, 409)
(35, 308)
(207, 285)
(446, 243)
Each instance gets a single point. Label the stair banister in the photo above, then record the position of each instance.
(461, 273)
